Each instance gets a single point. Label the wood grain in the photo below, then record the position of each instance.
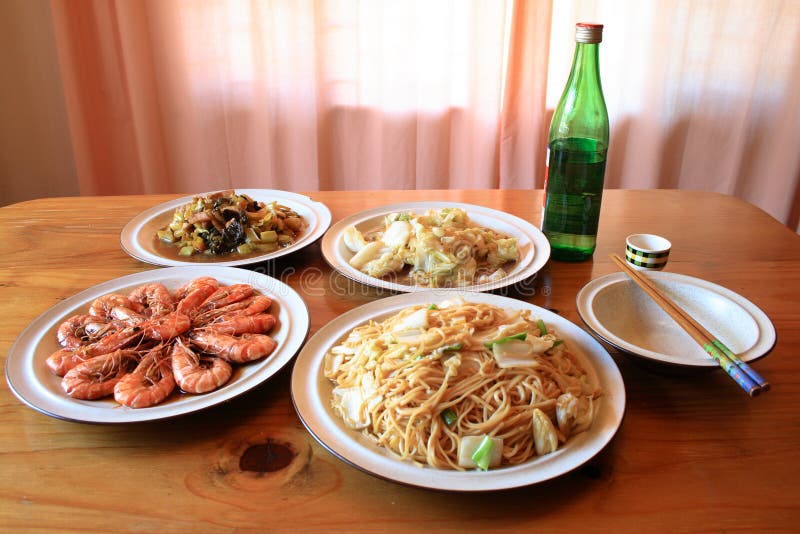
(693, 453)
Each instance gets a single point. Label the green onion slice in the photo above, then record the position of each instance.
(542, 327)
(483, 454)
(449, 416)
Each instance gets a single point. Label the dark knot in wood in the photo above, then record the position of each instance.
(267, 457)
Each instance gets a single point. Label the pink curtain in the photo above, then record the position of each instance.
(167, 96)
(195, 96)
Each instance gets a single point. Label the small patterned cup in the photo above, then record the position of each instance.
(647, 252)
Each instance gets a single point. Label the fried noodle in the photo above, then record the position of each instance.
(394, 379)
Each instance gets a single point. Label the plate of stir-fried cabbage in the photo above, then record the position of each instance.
(435, 245)
(229, 228)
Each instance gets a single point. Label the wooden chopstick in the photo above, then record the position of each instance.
(749, 380)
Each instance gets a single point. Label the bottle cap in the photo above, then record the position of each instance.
(588, 33)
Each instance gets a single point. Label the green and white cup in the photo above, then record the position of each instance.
(647, 252)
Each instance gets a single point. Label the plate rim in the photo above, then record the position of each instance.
(20, 355)
(587, 293)
(307, 372)
(541, 252)
(130, 230)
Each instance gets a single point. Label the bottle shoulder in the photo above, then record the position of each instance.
(570, 123)
(581, 111)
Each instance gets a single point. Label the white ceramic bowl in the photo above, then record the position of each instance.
(621, 314)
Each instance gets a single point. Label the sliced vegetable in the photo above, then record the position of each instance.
(449, 416)
(353, 403)
(521, 336)
(483, 454)
(514, 353)
(417, 320)
(468, 446)
(353, 239)
(574, 414)
(244, 248)
(545, 439)
(433, 307)
(251, 234)
(397, 234)
(542, 327)
(507, 249)
(269, 236)
(166, 235)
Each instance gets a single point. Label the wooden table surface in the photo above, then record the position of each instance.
(694, 453)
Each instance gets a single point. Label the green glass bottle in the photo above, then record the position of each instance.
(576, 154)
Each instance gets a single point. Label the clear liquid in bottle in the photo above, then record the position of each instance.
(574, 191)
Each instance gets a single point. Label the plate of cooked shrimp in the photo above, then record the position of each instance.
(157, 344)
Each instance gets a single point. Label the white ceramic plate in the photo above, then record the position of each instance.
(33, 384)
(311, 394)
(533, 246)
(624, 316)
(138, 236)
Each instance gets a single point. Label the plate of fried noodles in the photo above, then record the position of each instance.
(229, 228)
(417, 246)
(458, 391)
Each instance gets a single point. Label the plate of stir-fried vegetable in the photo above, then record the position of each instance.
(230, 228)
(421, 246)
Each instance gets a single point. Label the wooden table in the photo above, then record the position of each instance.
(693, 453)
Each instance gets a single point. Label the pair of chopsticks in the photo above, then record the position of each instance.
(749, 380)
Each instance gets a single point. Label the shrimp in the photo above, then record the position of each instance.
(127, 316)
(236, 349)
(191, 295)
(65, 359)
(96, 377)
(232, 325)
(78, 330)
(198, 374)
(152, 300)
(62, 360)
(117, 340)
(255, 304)
(149, 384)
(224, 296)
(248, 306)
(102, 306)
(166, 327)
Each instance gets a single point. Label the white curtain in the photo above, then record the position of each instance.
(701, 95)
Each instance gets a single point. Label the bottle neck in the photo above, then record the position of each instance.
(585, 66)
(581, 111)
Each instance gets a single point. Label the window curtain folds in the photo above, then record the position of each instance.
(302, 95)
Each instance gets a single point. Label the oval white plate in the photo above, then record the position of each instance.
(137, 237)
(32, 383)
(532, 244)
(311, 394)
(624, 316)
